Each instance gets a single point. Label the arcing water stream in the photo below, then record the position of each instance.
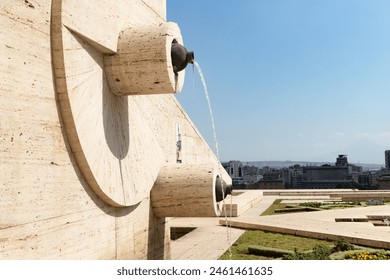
(228, 224)
(209, 104)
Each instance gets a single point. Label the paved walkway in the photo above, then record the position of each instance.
(210, 239)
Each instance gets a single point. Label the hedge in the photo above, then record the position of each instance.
(268, 251)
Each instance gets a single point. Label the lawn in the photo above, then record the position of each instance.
(268, 239)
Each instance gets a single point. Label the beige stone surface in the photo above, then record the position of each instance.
(235, 205)
(142, 63)
(186, 190)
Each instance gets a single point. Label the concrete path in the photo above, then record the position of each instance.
(210, 240)
(206, 242)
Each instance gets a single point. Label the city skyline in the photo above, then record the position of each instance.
(292, 80)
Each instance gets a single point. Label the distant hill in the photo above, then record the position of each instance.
(288, 163)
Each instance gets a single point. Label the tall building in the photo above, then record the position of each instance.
(234, 168)
(342, 160)
(387, 159)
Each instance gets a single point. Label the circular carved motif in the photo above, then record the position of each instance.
(115, 150)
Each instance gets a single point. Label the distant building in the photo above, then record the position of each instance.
(342, 160)
(382, 176)
(387, 159)
(275, 185)
(384, 182)
(292, 176)
(251, 178)
(250, 174)
(383, 172)
(234, 168)
(340, 175)
(326, 172)
(264, 170)
(272, 180)
(326, 176)
(251, 170)
(365, 179)
(272, 176)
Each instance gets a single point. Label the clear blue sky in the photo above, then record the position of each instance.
(289, 80)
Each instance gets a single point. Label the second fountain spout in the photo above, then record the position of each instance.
(222, 189)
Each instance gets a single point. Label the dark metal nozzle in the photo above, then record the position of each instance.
(222, 189)
(180, 57)
(190, 57)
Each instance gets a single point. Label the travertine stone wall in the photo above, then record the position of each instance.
(47, 210)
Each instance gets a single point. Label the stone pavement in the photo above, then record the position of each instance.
(210, 239)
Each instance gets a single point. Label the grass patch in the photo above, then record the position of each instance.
(261, 245)
(269, 239)
(278, 207)
(268, 251)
